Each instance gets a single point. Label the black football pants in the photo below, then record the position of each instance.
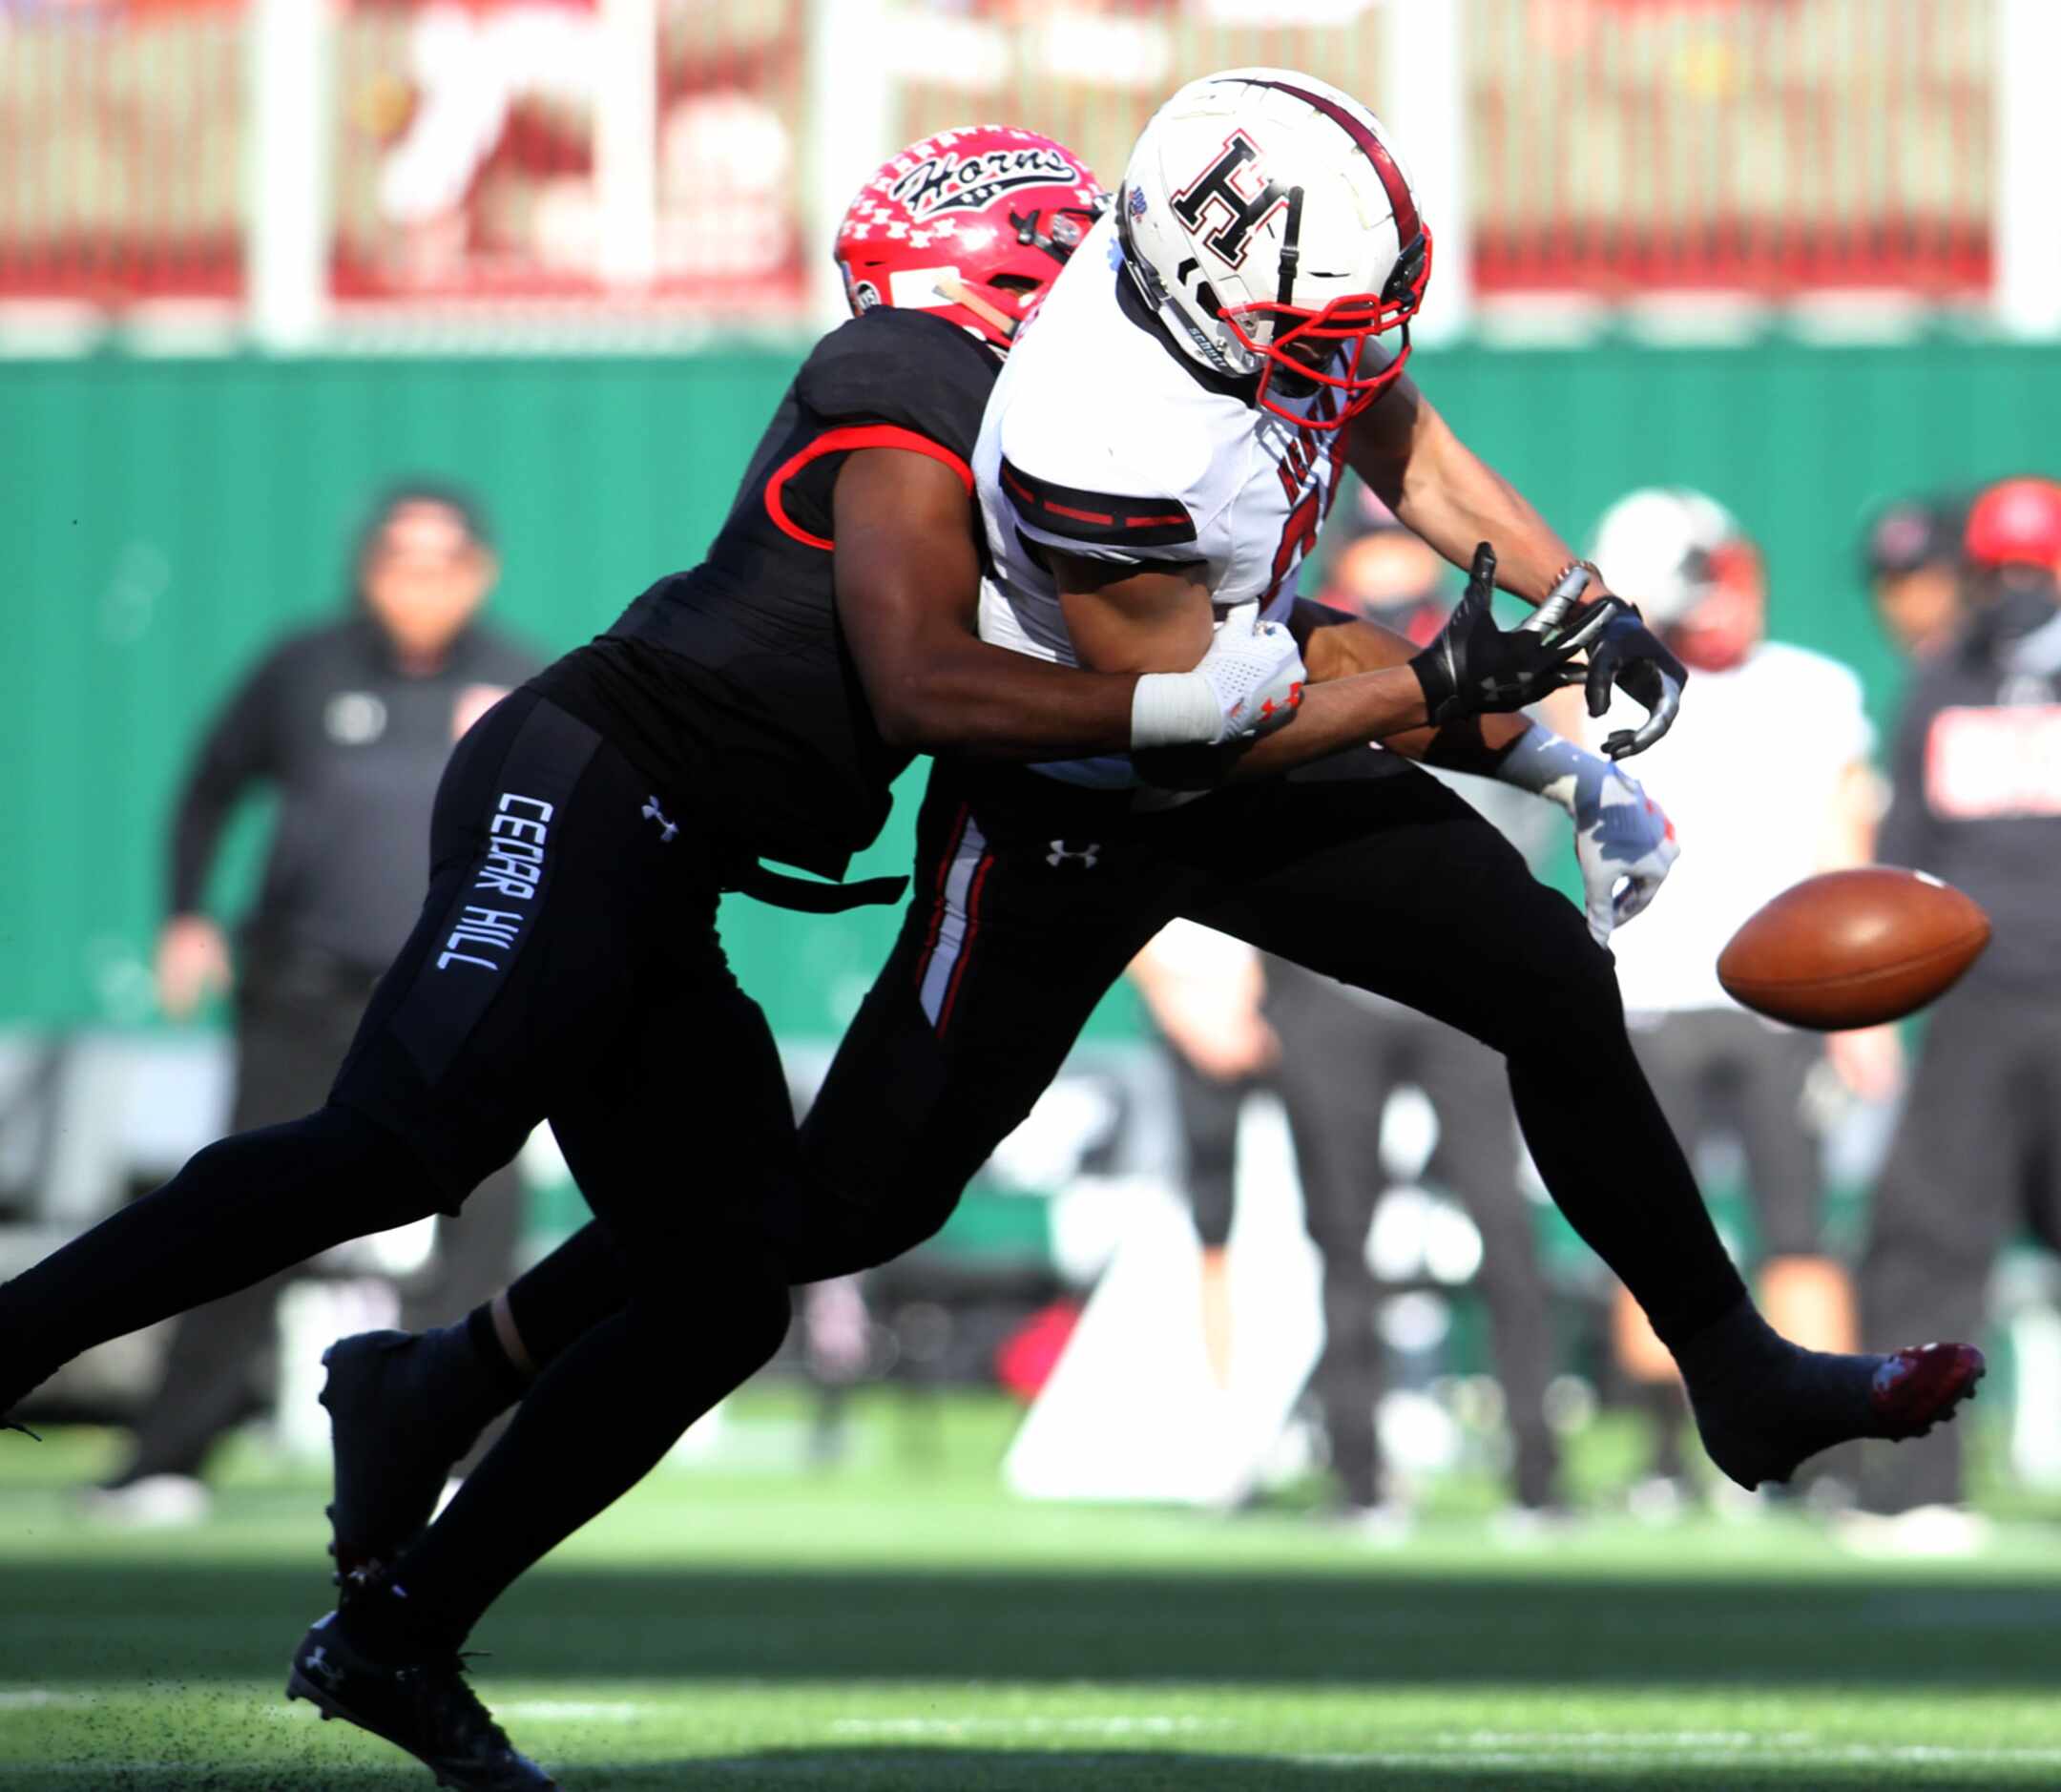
(566, 966)
(1033, 896)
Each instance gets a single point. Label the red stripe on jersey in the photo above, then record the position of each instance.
(1153, 522)
(1089, 516)
(1400, 201)
(841, 441)
(937, 907)
(966, 946)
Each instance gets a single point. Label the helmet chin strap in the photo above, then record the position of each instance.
(958, 293)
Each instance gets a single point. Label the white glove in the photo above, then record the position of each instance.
(1248, 684)
(1623, 840)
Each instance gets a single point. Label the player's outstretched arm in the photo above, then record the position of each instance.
(1439, 486)
(908, 582)
(1121, 616)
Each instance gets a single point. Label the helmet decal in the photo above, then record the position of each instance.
(946, 181)
(971, 224)
(1218, 186)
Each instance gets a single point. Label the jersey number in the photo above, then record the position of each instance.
(1299, 535)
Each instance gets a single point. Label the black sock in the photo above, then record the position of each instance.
(1763, 1405)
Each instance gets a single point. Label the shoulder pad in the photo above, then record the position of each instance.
(900, 365)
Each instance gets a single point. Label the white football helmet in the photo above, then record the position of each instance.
(1267, 221)
(1666, 547)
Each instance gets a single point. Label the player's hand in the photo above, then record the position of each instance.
(192, 964)
(1473, 667)
(1624, 844)
(1255, 670)
(1629, 655)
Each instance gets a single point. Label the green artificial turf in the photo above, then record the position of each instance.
(899, 1623)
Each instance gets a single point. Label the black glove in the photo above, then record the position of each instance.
(1629, 655)
(1473, 666)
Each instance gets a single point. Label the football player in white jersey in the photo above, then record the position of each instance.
(1155, 462)
(1156, 456)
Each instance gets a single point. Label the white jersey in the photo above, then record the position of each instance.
(1749, 775)
(1103, 440)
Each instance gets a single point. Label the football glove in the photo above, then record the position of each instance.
(1473, 667)
(1631, 656)
(1625, 846)
(1623, 843)
(1248, 684)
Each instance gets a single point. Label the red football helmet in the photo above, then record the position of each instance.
(970, 223)
(2016, 522)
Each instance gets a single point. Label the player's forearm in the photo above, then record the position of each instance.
(1336, 714)
(1337, 646)
(1440, 488)
(971, 698)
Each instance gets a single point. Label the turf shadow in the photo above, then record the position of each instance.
(78, 1623)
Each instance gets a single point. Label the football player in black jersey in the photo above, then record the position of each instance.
(567, 964)
(1036, 891)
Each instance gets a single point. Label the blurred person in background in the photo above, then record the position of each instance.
(1335, 1054)
(1718, 1071)
(1976, 769)
(351, 723)
(1912, 556)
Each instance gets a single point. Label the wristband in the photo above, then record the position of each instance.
(1175, 709)
(1548, 765)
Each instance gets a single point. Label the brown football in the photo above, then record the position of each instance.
(1852, 948)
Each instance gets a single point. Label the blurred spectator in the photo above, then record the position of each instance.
(1767, 775)
(1914, 560)
(351, 723)
(1977, 801)
(1335, 1055)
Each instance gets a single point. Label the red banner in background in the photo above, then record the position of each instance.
(466, 165)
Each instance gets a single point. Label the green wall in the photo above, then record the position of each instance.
(160, 520)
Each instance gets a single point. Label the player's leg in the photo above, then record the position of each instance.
(676, 1134)
(1030, 900)
(613, 1014)
(1000, 958)
(434, 1094)
(1334, 1080)
(1947, 1201)
(1476, 1159)
(1396, 886)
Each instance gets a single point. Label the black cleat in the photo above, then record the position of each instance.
(392, 1455)
(423, 1707)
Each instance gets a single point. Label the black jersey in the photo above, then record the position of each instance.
(731, 686)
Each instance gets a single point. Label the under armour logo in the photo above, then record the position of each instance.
(319, 1665)
(654, 813)
(1059, 854)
